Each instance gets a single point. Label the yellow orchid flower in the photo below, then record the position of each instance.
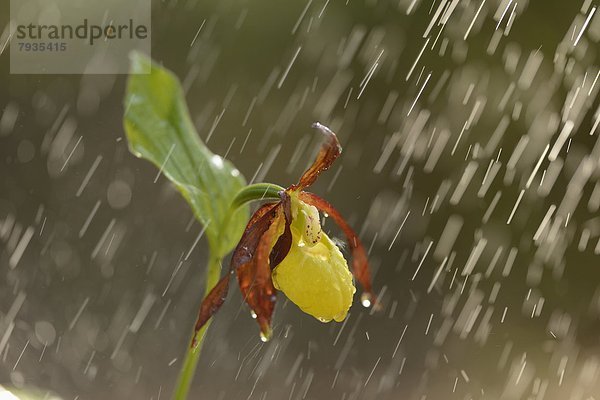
(314, 274)
(283, 248)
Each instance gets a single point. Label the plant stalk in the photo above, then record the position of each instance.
(192, 356)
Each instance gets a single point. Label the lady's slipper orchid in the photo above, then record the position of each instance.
(283, 248)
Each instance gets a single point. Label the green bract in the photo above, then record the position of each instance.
(159, 129)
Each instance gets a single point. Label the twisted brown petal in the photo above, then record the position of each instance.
(330, 150)
(211, 304)
(284, 243)
(360, 264)
(242, 255)
(254, 277)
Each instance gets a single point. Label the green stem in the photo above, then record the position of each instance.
(192, 356)
(256, 191)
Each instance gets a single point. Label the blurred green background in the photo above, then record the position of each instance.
(91, 316)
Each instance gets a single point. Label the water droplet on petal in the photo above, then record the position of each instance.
(266, 336)
(365, 299)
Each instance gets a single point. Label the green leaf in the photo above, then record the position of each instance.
(159, 129)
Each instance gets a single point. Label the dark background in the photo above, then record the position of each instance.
(532, 332)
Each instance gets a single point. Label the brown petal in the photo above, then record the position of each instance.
(360, 264)
(211, 304)
(284, 243)
(256, 227)
(254, 277)
(330, 150)
(243, 255)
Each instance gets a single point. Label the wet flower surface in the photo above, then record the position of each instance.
(314, 274)
(284, 248)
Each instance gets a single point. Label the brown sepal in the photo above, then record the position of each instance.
(254, 277)
(330, 150)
